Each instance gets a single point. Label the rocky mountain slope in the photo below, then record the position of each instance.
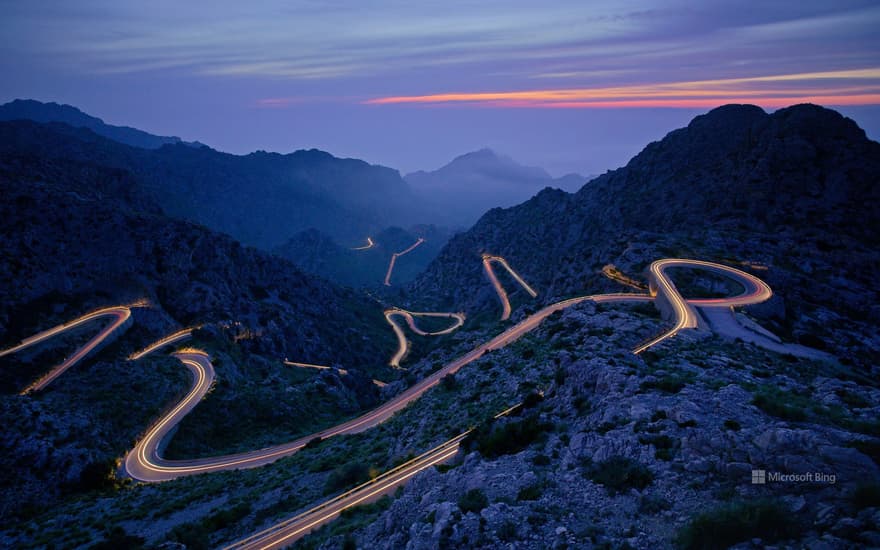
(608, 449)
(461, 191)
(261, 199)
(77, 236)
(794, 191)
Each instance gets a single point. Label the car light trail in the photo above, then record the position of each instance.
(402, 342)
(144, 462)
(342, 372)
(121, 320)
(305, 365)
(756, 291)
(166, 341)
(502, 294)
(394, 259)
(288, 531)
(616, 275)
(370, 244)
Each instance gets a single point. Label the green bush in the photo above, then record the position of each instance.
(619, 473)
(670, 383)
(530, 492)
(118, 538)
(494, 439)
(736, 522)
(346, 476)
(507, 531)
(448, 382)
(781, 404)
(541, 460)
(866, 495)
(473, 501)
(665, 447)
(732, 425)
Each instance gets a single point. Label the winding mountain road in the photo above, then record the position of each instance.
(370, 244)
(402, 342)
(144, 461)
(397, 255)
(120, 320)
(488, 259)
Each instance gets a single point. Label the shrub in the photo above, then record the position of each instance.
(732, 425)
(619, 473)
(854, 400)
(529, 492)
(493, 439)
(650, 504)
(781, 404)
(531, 400)
(346, 476)
(670, 383)
(507, 531)
(736, 522)
(866, 495)
(541, 460)
(473, 501)
(664, 446)
(118, 538)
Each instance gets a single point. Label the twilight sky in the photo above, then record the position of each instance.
(568, 85)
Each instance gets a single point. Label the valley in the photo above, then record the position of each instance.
(310, 413)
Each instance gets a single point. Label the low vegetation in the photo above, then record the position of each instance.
(618, 474)
(736, 522)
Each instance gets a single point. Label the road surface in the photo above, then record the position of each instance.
(290, 530)
(145, 463)
(755, 291)
(166, 341)
(502, 294)
(370, 244)
(394, 259)
(402, 342)
(120, 319)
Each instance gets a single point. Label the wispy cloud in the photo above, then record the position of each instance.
(848, 87)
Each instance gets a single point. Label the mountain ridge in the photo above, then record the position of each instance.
(464, 188)
(29, 109)
(794, 189)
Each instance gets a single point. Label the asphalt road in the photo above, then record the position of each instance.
(144, 461)
(488, 259)
(402, 342)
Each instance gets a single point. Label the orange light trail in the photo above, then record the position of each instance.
(144, 461)
(502, 294)
(402, 343)
(394, 259)
(370, 244)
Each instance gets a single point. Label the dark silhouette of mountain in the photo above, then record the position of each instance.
(29, 109)
(315, 252)
(261, 199)
(472, 183)
(795, 190)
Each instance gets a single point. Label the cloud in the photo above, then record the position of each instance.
(847, 87)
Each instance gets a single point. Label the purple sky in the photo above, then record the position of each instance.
(567, 85)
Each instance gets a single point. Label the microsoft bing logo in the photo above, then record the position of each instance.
(759, 477)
